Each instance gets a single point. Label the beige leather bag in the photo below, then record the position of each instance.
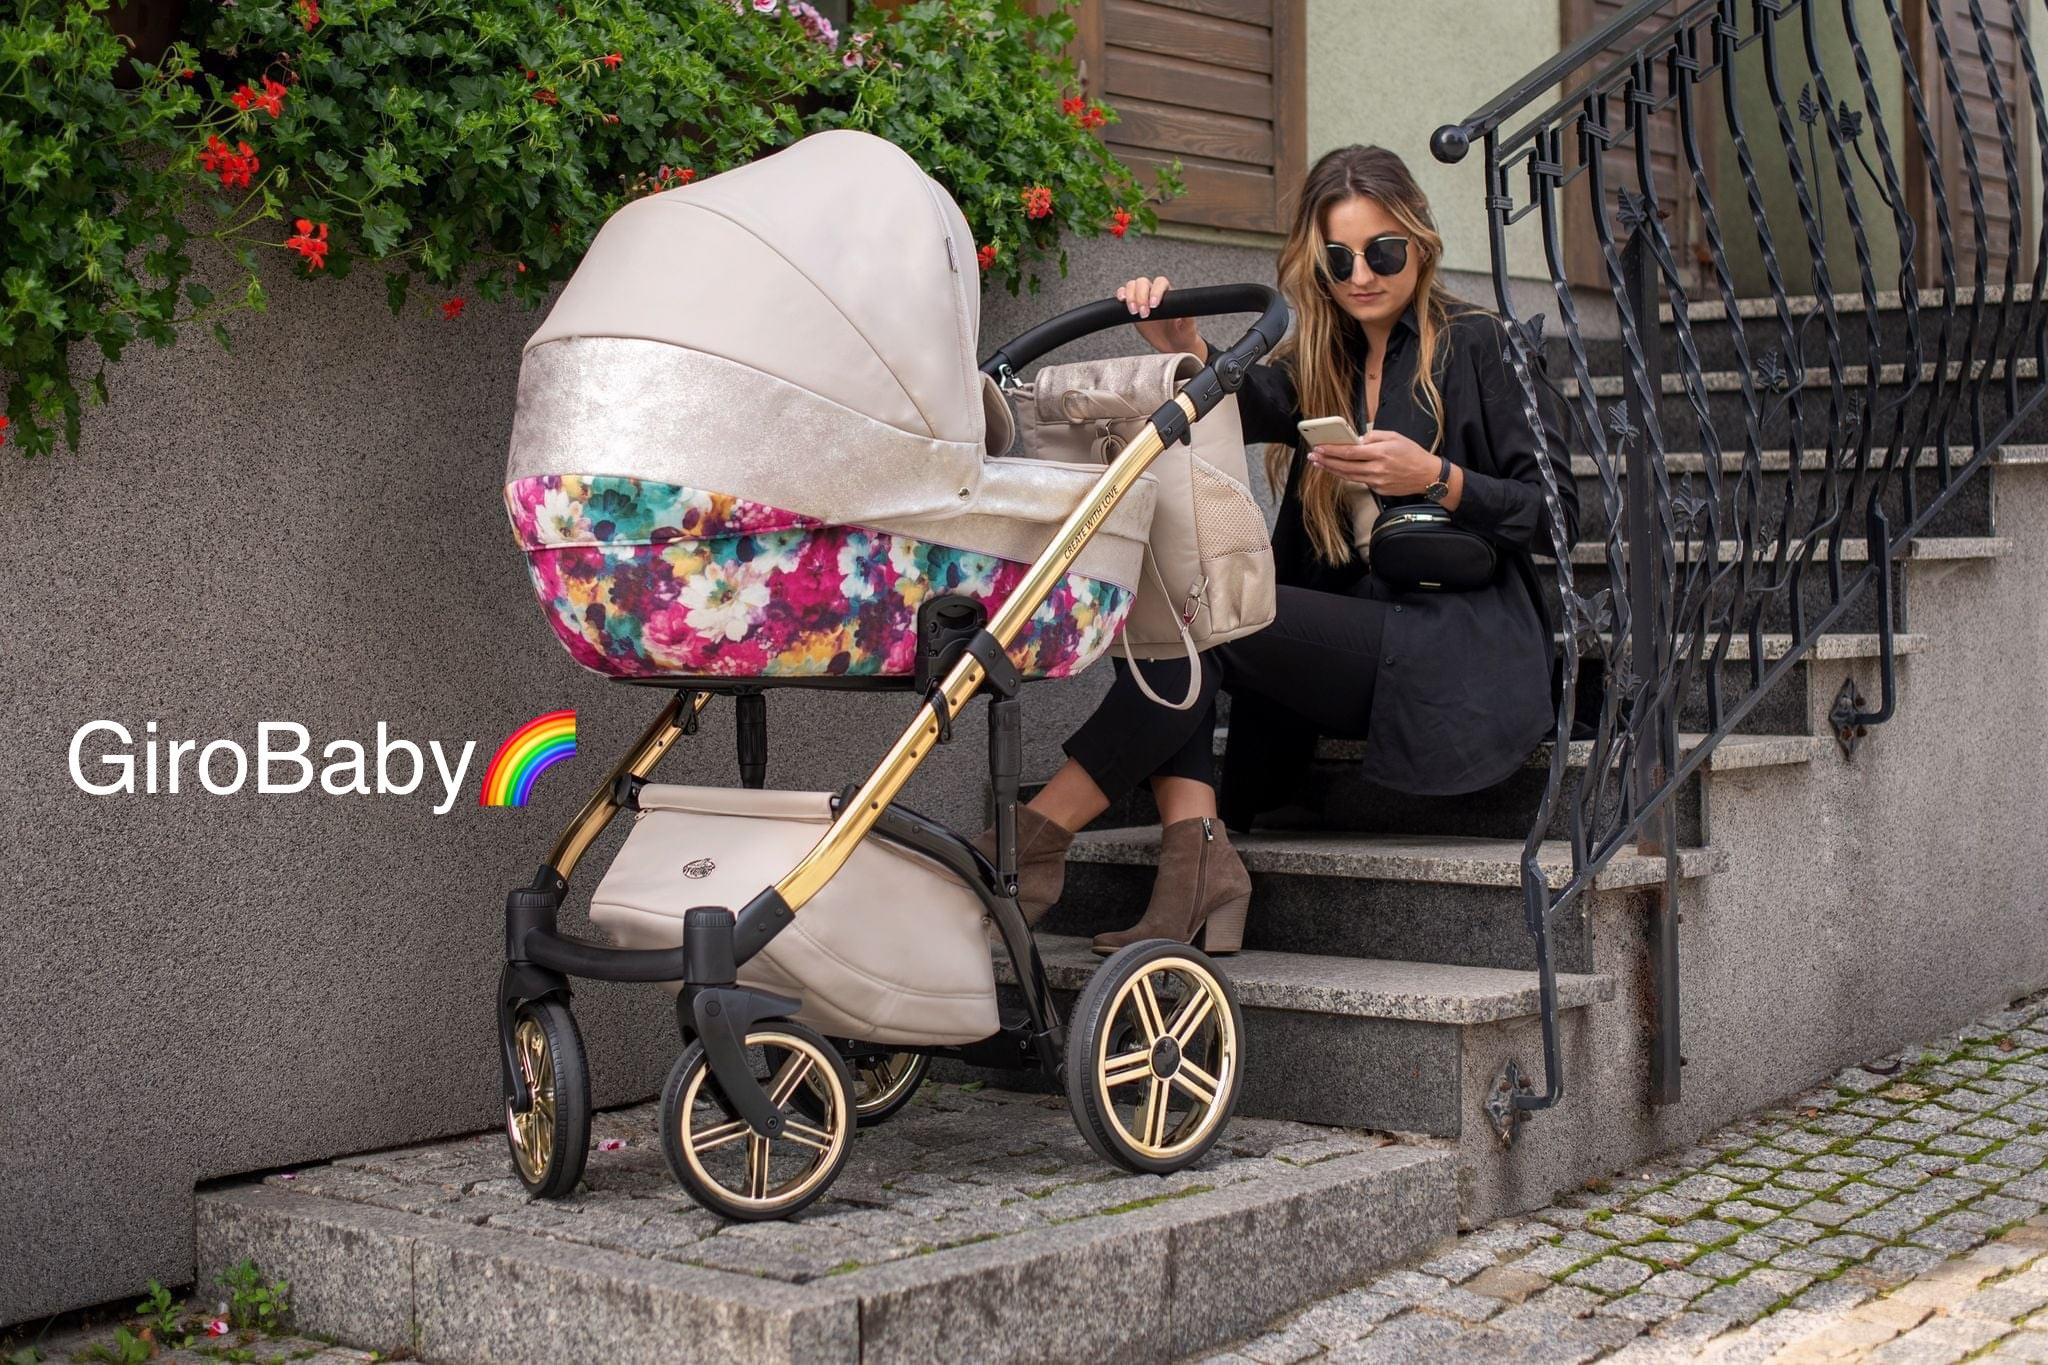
(1209, 569)
(890, 951)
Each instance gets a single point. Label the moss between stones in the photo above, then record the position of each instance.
(1137, 1204)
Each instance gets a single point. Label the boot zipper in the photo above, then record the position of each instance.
(1202, 874)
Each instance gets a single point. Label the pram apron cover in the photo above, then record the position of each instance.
(892, 950)
(751, 437)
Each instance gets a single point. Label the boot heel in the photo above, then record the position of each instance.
(1222, 933)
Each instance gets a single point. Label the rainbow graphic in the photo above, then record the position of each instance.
(528, 752)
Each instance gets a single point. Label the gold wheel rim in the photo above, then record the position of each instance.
(880, 1082)
(533, 1132)
(1188, 1056)
(757, 1188)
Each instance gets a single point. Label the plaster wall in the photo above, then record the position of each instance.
(1865, 905)
(1393, 74)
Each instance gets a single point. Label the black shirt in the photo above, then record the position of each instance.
(1463, 691)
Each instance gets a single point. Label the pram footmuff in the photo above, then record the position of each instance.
(751, 452)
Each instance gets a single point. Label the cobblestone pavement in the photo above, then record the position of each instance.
(1892, 1215)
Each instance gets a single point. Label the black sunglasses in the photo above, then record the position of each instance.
(1386, 255)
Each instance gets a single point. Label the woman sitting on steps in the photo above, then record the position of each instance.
(1449, 690)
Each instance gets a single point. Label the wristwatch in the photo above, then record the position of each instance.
(1441, 489)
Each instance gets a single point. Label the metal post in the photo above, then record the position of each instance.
(1656, 733)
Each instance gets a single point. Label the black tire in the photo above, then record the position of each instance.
(551, 1141)
(698, 1154)
(1204, 1077)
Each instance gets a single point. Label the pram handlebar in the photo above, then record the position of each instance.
(1224, 373)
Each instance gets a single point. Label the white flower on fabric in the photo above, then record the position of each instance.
(903, 557)
(779, 551)
(860, 563)
(721, 600)
(559, 520)
(977, 575)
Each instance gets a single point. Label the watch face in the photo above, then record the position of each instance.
(1437, 492)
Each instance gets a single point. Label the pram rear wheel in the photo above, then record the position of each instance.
(723, 1163)
(1155, 1053)
(551, 1139)
(883, 1082)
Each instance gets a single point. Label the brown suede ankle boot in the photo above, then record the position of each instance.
(1202, 890)
(1041, 860)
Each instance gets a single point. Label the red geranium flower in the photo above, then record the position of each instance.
(546, 96)
(311, 242)
(520, 266)
(271, 101)
(986, 257)
(452, 309)
(186, 74)
(1119, 222)
(233, 165)
(1093, 117)
(3, 431)
(309, 13)
(612, 59)
(611, 118)
(1072, 105)
(531, 74)
(1037, 202)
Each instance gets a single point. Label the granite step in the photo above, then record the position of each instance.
(1590, 573)
(951, 1230)
(1444, 899)
(1353, 1041)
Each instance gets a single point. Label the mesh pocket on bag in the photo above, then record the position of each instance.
(1227, 516)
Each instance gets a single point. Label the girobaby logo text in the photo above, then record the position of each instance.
(109, 758)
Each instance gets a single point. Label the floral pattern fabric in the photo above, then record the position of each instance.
(642, 579)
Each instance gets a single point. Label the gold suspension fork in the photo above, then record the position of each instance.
(639, 761)
(858, 815)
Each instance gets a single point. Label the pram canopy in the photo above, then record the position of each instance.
(751, 437)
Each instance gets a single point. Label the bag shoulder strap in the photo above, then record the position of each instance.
(1187, 642)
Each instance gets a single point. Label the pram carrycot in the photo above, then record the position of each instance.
(741, 450)
(750, 452)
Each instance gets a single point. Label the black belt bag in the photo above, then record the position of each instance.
(1415, 547)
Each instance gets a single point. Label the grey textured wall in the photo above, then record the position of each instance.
(308, 529)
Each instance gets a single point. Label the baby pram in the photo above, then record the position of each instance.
(751, 451)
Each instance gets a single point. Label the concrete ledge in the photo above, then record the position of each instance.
(1452, 859)
(1855, 550)
(1780, 461)
(1765, 306)
(964, 1222)
(1369, 988)
(1814, 379)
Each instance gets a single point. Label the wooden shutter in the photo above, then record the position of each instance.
(1679, 210)
(2001, 198)
(1219, 85)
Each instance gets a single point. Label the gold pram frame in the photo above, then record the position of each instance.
(1168, 996)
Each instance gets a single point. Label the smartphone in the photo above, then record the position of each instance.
(1327, 431)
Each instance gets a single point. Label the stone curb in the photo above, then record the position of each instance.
(1161, 1280)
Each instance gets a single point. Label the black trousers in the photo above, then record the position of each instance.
(1317, 662)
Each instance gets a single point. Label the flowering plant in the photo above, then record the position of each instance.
(472, 148)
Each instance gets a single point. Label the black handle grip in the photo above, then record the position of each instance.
(1224, 373)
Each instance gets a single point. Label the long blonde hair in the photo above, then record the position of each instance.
(1325, 368)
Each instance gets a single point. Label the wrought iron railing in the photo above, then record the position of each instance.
(1743, 155)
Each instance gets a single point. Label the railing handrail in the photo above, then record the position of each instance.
(1450, 142)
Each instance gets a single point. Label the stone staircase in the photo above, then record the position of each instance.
(1388, 975)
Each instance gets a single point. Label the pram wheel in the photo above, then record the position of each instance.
(883, 1082)
(551, 1139)
(1155, 1050)
(724, 1165)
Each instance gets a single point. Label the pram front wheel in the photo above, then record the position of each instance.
(551, 1139)
(1154, 1056)
(723, 1163)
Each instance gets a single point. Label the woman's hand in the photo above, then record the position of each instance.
(1168, 335)
(1386, 462)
